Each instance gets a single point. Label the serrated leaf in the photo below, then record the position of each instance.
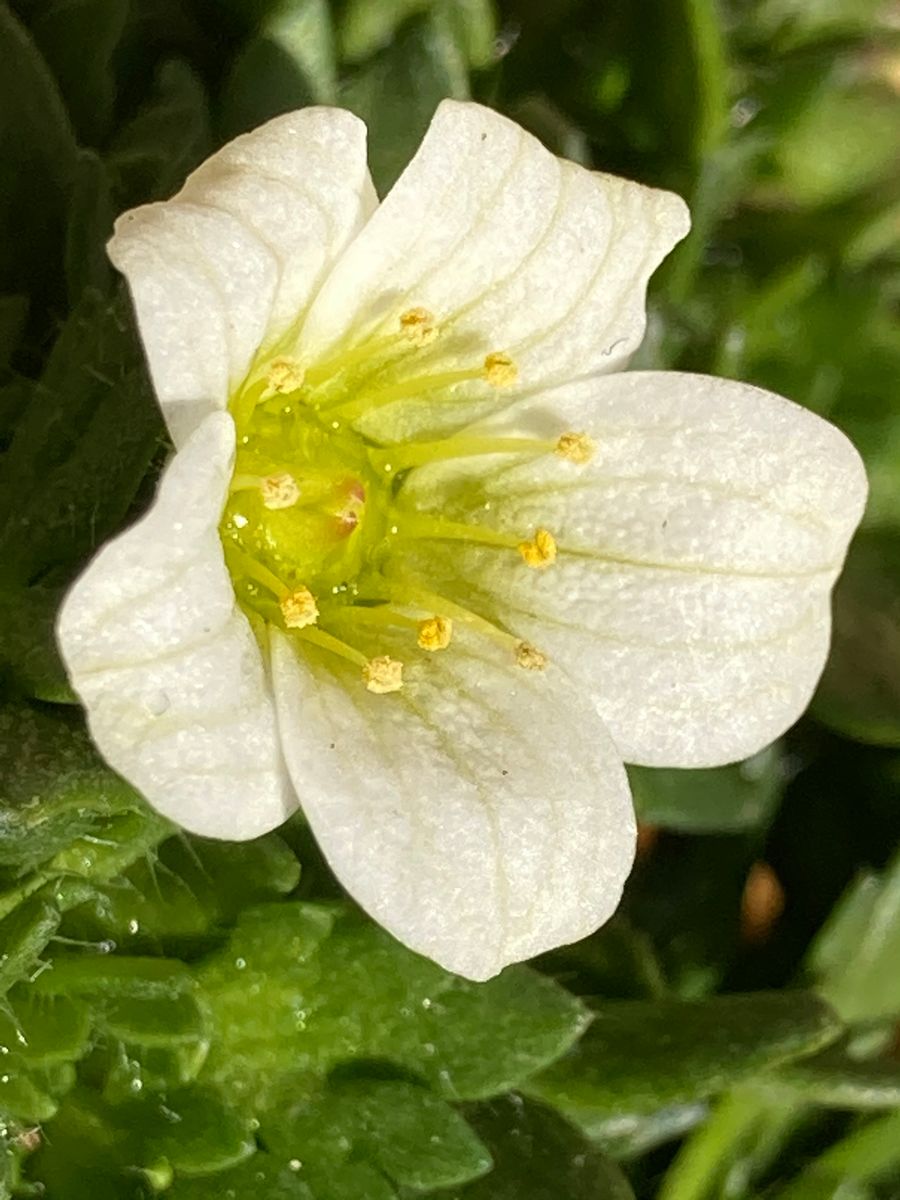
(719, 800)
(289, 62)
(538, 1156)
(285, 989)
(639, 1056)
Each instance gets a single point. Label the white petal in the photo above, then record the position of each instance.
(234, 258)
(699, 548)
(481, 814)
(166, 665)
(509, 246)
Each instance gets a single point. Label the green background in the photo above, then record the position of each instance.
(192, 1019)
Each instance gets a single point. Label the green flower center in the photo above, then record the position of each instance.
(314, 509)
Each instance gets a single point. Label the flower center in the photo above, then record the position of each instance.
(315, 508)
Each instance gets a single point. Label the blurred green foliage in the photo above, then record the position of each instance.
(194, 1019)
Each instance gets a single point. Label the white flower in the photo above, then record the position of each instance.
(424, 563)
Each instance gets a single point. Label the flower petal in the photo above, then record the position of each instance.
(166, 664)
(511, 248)
(697, 554)
(481, 814)
(234, 258)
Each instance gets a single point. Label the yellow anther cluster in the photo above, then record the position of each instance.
(578, 448)
(419, 326)
(279, 491)
(540, 552)
(500, 371)
(299, 608)
(529, 657)
(285, 375)
(382, 675)
(435, 633)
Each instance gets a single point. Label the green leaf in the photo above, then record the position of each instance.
(855, 956)
(639, 1056)
(194, 1131)
(90, 222)
(153, 1020)
(55, 787)
(416, 1139)
(538, 1156)
(397, 91)
(859, 694)
(869, 1153)
(264, 1175)
(151, 154)
(38, 151)
(285, 991)
(179, 894)
(21, 1099)
(44, 1031)
(835, 1080)
(287, 64)
(81, 448)
(115, 977)
(23, 936)
(78, 38)
(720, 800)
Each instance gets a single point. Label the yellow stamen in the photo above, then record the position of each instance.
(529, 657)
(540, 552)
(435, 633)
(285, 375)
(418, 326)
(499, 370)
(327, 641)
(383, 674)
(299, 608)
(279, 490)
(578, 448)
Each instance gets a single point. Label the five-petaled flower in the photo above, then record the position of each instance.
(425, 564)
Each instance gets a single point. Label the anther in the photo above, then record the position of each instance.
(529, 657)
(500, 371)
(578, 448)
(418, 326)
(279, 491)
(299, 608)
(285, 375)
(382, 675)
(435, 633)
(540, 552)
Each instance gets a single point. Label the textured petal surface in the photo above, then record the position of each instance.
(167, 666)
(698, 551)
(481, 814)
(235, 258)
(512, 249)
